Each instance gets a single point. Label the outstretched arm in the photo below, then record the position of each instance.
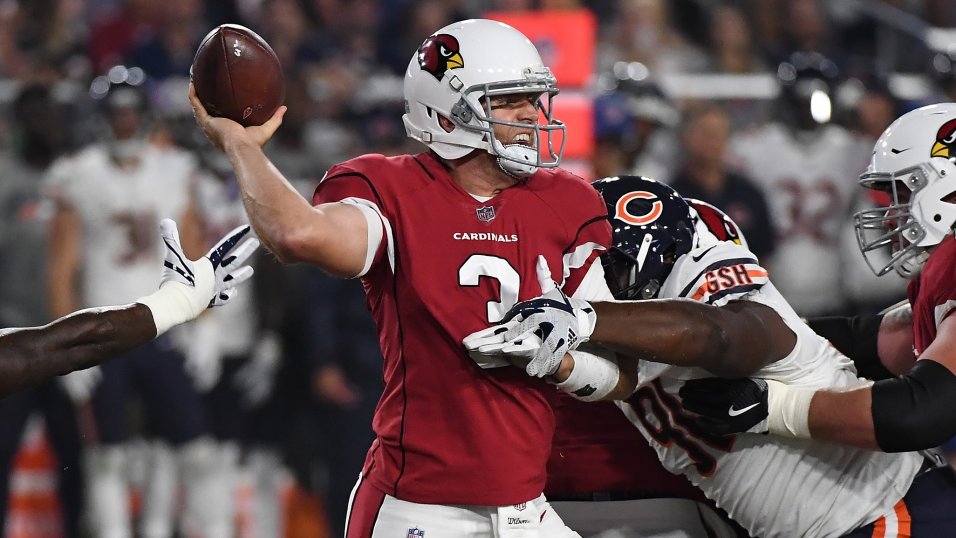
(74, 342)
(31, 355)
(733, 340)
(332, 236)
(912, 412)
(542, 335)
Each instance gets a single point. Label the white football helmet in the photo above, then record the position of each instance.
(451, 73)
(917, 153)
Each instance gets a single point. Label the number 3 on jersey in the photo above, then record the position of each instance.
(509, 282)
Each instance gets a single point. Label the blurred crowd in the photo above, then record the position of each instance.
(95, 128)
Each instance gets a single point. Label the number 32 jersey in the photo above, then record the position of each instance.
(773, 486)
(448, 265)
(119, 211)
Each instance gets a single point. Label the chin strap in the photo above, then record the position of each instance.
(516, 160)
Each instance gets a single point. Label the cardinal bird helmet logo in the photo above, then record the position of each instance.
(945, 145)
(438, 54)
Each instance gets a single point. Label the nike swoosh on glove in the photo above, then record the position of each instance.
(727, 406)
(540, 330)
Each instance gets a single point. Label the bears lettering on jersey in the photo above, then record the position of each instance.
(731, 278)
(726, 278)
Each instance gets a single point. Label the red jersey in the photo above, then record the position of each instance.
(933, 294)
(598, 450)
(448, 265)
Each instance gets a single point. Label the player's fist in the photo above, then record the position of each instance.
(537, 333)
(727, 406)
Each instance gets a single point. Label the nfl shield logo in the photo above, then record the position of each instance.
(415, 533)
(486, 214)
(520, 507)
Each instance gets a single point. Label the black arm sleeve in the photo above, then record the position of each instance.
(856, 338)
(915, 411)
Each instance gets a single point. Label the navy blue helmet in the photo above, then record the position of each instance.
(808, 82)
(652, 227)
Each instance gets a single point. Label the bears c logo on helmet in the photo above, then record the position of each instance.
(438, 54)
(651, 212)
(945, 145)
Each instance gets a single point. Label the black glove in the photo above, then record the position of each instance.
(727, 406)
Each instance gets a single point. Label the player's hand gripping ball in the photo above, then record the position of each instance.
(237, 75)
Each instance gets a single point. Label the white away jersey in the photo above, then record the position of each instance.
(810, 187)
(219, 204)
(773, 486)
(120, 210)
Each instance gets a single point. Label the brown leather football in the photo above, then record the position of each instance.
(237, 75)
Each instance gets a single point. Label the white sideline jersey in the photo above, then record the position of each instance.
(811, 189)
(119, 210)
(773, 486)
(219, 204)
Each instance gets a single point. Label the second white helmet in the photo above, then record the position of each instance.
(914, 161)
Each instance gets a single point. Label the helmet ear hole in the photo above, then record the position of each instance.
(446, 123)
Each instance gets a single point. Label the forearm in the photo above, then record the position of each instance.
(903, 414)
(686, 333)
(86, 338)
(277, 212)
(844, 418)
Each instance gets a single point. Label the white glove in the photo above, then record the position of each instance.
(79, 385)
(541, 329)
(256, 379)
(189, 287)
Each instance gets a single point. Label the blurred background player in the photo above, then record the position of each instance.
(109, 199)
(705, 175)
(41, 134)
(345, 371)
(943, 71)
(800, 161)
(635, 125)
(236, 353)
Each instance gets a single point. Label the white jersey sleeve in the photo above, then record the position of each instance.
(715, 274)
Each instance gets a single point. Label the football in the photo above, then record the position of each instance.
(237, 75)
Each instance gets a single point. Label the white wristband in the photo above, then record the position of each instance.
(592, 378)
(788, 409)
(174, 302)
(169, 305)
